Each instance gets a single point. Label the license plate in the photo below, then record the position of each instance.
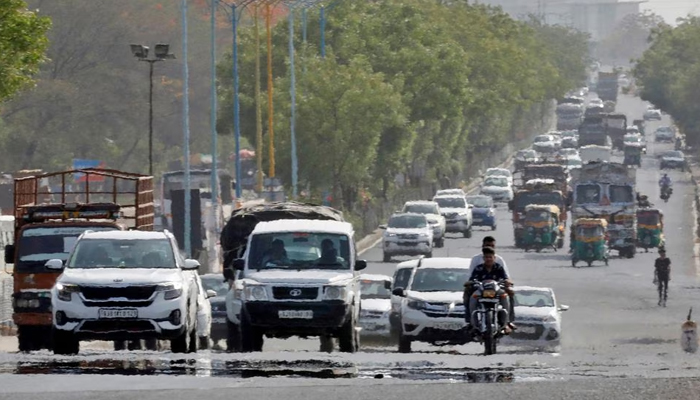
(448, 326)
(110, 313)
(527, 329)
(296, 314)
(218, 320)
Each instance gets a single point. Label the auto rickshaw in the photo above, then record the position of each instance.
(589, 241)
(633, 154)
(543, 229)
(650, 228)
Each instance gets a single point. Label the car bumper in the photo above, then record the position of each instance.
(375, 327)
(457, 225)
(419, 327)
(672, 164)
(484, 220)
(549, 333)
(153, 321)
(407, 248)
(327, 316)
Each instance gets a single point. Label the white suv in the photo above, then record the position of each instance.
(457, 213)
(431, 210)
(432, 309)
(125, 285)
(407, 234)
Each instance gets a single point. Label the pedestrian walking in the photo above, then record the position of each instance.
(662, 274)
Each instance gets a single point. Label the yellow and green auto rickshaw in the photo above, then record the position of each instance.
(543, 229)
(650, 228)
(633, 154)
(589, 241)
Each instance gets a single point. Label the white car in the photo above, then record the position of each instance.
(432, 309)
(537, 316)
(375, 306)
(456, 191)
(652, 114)
(568, 153)
(595, 102)
(545, 144)
(407, 234)
(498, 188)
(664, 134)
(457, 213)
(125, 285)
(500, 172)
(431, 210)
(204, 318)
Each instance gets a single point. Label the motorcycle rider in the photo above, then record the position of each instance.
(665, 181)
(490, 241)
(489, 269)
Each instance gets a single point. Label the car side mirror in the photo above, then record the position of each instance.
(239, 264)
(563, 308)
(191, 265)
(470, 206)
(210, 294)
(54, 264)
(387, 285)
(229, 274)
(382, 226)
(398, 292)
(360, 265)
(9, 254)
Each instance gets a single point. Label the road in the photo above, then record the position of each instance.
(616, 341)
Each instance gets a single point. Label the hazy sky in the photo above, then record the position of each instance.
(672, 9)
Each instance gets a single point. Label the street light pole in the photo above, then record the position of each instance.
(292, 122)
(186, 133)
(322, 18)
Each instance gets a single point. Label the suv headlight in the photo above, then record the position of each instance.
(417, 304)
(334, 293)
(423, 235)
(64, 290)
(171, 290)
(549, 318)
(255, 293)
(389, 234)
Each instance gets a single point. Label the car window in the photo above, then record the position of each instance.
(495, 181)
(122, 253)
(299, 250)
(451, 202)
(420, 208)
(407, 221)
(480, 202)
(216, 284)
(440, 280)
(401, 278)
(533, 298)
(371, 289)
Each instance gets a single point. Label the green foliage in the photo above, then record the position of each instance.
(22, 46)
(669, 74)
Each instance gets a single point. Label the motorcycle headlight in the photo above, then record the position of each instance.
(417, 304)
(171, 290)
(255, 293)
(65, 292)
(334, 293)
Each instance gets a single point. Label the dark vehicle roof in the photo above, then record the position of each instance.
(234, 236)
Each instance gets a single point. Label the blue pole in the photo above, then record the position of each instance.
(186, 131)
(323, 32)
(236, 104)
(292, 121)
(212, 117)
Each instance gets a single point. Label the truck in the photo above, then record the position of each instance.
(536, 191)
(592, 131)
(607, 190)
(302, 298)
(51, 210)
(607, 86)
(594, 152)
(569, 115)
(616, 128)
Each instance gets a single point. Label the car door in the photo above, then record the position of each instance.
(400, 280)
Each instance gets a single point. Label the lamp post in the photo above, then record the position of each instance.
(186, 132)
(322, 18)
(162, 53)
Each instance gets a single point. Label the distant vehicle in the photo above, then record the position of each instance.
(525, 157)
(595, 102)
(545, 144)
(595, 153)
(594, 110)
(637, 139)
(500, 172)
(568, 153)
(673, 159)
(432, 212)
(633, 129)
(569, 143)
(455, 191)
(664, 134)
(498, 188)
(216, 283)
(457, 213)
(483, 211)
(607, 86)
(652, 114)
(537, 316)
(407, 234)
(375, 306)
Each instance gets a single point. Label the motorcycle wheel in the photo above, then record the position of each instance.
(489, 340)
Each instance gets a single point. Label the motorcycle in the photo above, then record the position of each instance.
(666, 192)
(489, 318)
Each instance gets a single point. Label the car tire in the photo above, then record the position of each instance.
(119, 345)
(347, 337)
(251, 337)
(493, 227)
(468, 233)
(65, 343)
(233, 337)
(150, 344)
(181, 343)
(386, 258)
(327, 344)
(404, 344)
(203, 342)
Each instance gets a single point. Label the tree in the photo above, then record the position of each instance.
(22, 46)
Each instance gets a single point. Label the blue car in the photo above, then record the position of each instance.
(483, 211)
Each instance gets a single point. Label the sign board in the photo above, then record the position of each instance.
(81, 164)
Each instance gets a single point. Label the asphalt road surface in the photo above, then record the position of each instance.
(617, 343)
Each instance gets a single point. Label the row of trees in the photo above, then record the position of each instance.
(669, 74)
(413, 86)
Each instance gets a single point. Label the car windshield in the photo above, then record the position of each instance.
(621, 194)
(123, 253)
(533, 298)
(215, 283)
(648, 218)
(440, 280)
(543, 139)
(299, 250)
(480, 202)
(496, 181)
(498, 172)
(407, 221)
(371, 289)
(45, 243)
(664, 129)
(673, 154)
(540, 198)
(420, 208)
(587, 231)
(588, 194)
(451, 202)
(537, 216)
(633, 139)
(568, 152)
